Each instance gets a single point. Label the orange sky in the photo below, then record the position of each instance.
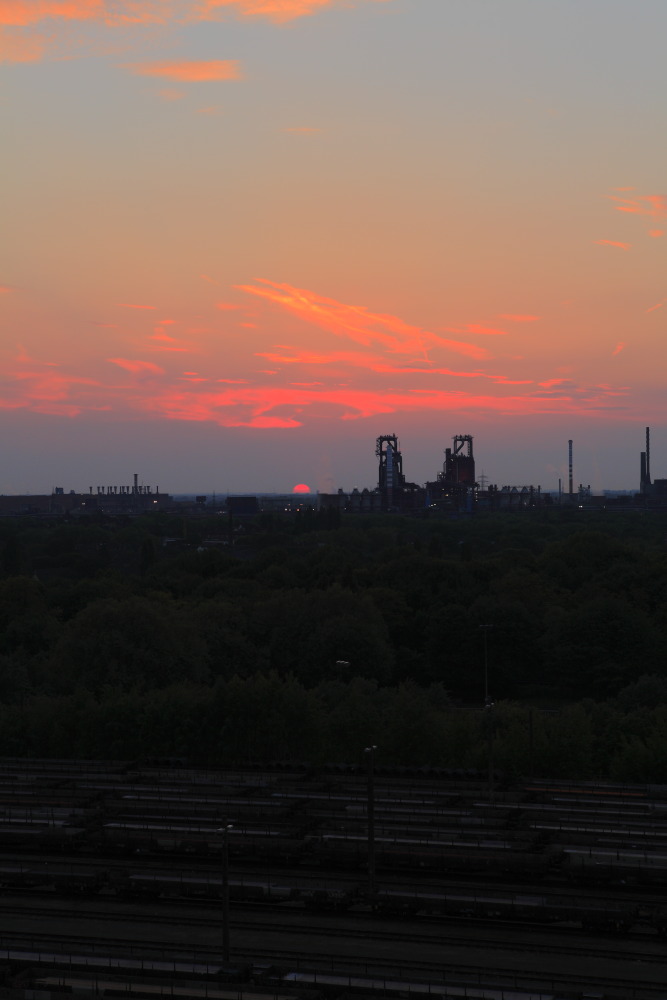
(243, 238)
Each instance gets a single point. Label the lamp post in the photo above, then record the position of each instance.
(224, 830)
(370, 750)
(488, 708)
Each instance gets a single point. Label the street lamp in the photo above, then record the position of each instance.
(485, 632)
(224, 830)
(371, 819)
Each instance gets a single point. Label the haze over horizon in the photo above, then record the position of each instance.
(243, 238)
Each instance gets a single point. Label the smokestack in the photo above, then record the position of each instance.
(648, 456)
(136, 480)
(642, 472)
(569, 445)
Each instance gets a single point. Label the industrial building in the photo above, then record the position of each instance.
(455, 487)
(112, 499)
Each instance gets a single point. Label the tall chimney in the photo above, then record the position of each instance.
(648, 456)
(569, 444)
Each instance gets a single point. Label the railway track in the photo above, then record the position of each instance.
(139, 850)
(520, 935)
(435, 977)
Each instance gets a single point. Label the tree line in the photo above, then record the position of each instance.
(308, 637)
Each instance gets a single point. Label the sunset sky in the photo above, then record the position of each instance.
(243, 238)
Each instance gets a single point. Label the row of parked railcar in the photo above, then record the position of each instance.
(588, 913)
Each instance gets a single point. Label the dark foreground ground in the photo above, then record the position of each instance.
(115, 881)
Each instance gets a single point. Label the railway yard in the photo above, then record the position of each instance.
(150, 879)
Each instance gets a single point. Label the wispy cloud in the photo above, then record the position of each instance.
(617, 350)
(278, 11)
(32, 29)
(301, 130)
(654, 205)
(614, 243)
(357, 323)
(189, 72)
(171, 94)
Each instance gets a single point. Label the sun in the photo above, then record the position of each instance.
(301, 488)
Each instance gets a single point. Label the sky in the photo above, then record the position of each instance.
(241, 239)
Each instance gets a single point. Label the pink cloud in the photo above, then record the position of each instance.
(19, 48)
(617, 350)
(651, 204)
(519, 317)
(26, 12)
(159, 335)
(357, 323)
(656, 233)
(21, 42)
(189, 72)
(137, 367)
(237, 404)
(486, 331)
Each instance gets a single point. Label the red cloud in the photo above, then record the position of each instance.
(189, 72)
(614, 243)
(257, 406)
(275, 10)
